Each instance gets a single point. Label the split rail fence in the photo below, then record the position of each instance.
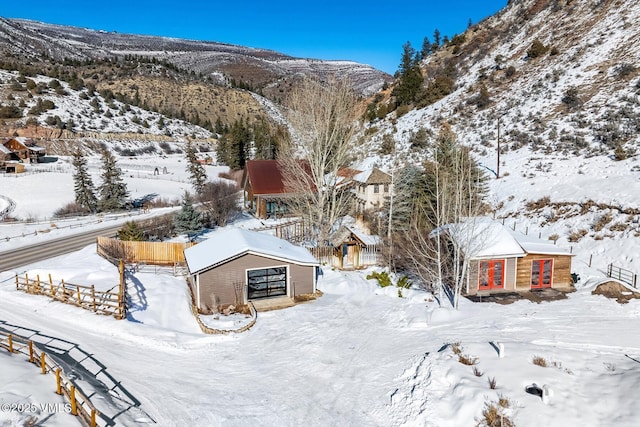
(112, 302)
(81, 406)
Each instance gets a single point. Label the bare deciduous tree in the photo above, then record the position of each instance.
(324, 118)
(443, 234)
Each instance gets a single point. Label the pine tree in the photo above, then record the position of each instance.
(426, 48)
(131, 231)
(83, 184)
(188, 220)
(197, 173)
(436, 40)
(409, 76)
(113, 191)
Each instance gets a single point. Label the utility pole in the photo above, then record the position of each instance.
(498, 165)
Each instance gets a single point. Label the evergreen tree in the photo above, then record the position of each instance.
(83, 184)
(197, 173)
(409, 76)
(436, 40)
(131, 231)
(426, 48)
(113, 191)
(188, 220)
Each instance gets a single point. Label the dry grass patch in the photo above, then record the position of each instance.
(493, 414)
(467, 360)
(540, 361)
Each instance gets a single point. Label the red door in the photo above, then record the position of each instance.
(541, 273)
(491, 275)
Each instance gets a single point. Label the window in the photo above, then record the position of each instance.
(491, 274)
(541, 273)
(386, 188)
(376, 188)
(267, 282)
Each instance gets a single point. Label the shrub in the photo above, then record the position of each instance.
(382, 277)
(493, 383)
(540, 361)
(624, 70)
(510, 71)
(131, 231)
(388, 144)
(10, 112)
(404, 282)
(537, 49)
(575, 236)
(493, 415)
(570, 97)
(467, 360)
(477, 372)
(70, 209)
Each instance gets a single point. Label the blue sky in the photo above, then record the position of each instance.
(370, 32)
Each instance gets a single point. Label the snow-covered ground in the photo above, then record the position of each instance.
(359, 355)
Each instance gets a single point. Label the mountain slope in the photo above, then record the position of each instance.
(258, 68)
(567, 116)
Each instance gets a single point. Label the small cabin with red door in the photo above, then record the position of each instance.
(504, 260)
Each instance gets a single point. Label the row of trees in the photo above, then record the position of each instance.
(446, 189)
(111, 195)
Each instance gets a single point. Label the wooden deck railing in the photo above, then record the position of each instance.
(81, 406)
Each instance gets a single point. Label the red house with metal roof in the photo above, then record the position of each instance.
(265, 187)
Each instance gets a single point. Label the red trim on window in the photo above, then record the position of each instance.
(491, 274)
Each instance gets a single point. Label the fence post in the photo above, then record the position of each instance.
(72, 398)
(609, 270)
(590, 259)
(10, 339)
(31, 352)
(64, 290)
(43, 363)
(79, 296)
(93, 418)
(93, 297)
(53, 292)
(26, 281)
(17, 283)
(58, 381)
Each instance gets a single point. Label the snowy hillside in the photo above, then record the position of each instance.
(88, 113)
(568, 119)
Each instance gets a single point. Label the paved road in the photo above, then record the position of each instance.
(51, 248)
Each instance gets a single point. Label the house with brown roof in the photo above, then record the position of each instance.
(372, 188)
(20, 149)
(265, 188)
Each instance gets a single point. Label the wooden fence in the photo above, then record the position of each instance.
(112, 302)
(356, 257)
(81, 406)
(153, 253)
(626, 276)
(293, 231)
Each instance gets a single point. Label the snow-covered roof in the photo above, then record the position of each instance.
(4, 149)
(483, 238)
(373, 176)
(235, 242)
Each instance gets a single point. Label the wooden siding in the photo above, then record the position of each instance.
(226, 283)
(510, 265)
(561, 273)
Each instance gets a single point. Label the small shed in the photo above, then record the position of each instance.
(353, 248)
(236, 266)
(504, 260)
